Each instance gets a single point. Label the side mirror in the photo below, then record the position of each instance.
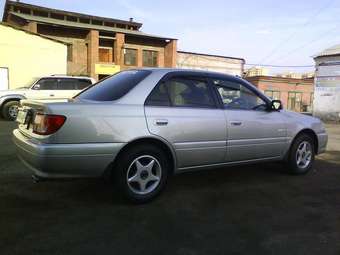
(276, 105)
(36, 86)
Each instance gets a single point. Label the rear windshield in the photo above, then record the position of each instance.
(115, 86)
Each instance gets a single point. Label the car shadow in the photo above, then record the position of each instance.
(101, 192)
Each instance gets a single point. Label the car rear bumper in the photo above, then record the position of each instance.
(65, 160)
(322, 142)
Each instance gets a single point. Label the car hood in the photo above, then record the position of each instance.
(305, 121)
(12, 91)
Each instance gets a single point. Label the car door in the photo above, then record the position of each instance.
(183, 111)
(43, 89)
(253, 131)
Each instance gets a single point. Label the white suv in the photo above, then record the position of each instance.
(49, 87)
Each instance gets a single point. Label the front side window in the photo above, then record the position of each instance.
(236, 96)
(182, 92)
(150, 58)
(115, 86)
(46, 84)
(130, 57)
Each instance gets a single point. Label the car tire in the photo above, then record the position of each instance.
(141, 173)
(301, 155)
(8, 110)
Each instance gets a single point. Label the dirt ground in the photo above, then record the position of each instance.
(256, 209)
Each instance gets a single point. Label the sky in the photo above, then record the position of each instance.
(262, 32)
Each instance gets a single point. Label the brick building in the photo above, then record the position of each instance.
(295, 94)
(216, 63)
(98, 46)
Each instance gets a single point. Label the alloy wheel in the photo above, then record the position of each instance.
(13, 111)
(304, 154)
(144, 174)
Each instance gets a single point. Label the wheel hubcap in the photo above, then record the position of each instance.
(304, 154)
(144, 174)
(13, 111)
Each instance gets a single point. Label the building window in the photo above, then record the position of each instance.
(274, 95)
(130, 57)
(150, 58)
(294, 101)
(105, 55)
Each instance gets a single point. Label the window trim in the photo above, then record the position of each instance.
(152, 51)
(136, 50)
(183, 75)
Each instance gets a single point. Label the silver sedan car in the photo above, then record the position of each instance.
(141, 126)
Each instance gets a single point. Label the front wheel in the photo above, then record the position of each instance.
(141, 173)
(10, 110)
(301, 156)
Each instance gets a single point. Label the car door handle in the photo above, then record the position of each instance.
(162, 122)
(235, 123)
(51, 95)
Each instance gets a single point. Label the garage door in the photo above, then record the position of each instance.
(3, 78)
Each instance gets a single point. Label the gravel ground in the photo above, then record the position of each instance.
(255, 209)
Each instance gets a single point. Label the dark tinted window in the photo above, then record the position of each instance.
(190, 92)
(82, 83)
(73, 83)
(67, 84)
(115, 86)
(159, 96)
(46, 84)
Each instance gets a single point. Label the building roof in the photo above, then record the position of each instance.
(31, 33)
(334, 50)
(210, 55)
(66, 23)
(68, 13)
(309, 80)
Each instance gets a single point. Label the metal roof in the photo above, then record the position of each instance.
(73, 24)
(68, 13)
(210, 55)
(31, 33)
(334, 50)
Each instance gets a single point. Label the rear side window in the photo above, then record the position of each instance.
(73, 84)
(115, 86)
(182, 92)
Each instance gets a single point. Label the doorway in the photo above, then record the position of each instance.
(4, 78)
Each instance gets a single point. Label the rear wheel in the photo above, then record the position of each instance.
(10, 110)
(141, 173)
(301, 156)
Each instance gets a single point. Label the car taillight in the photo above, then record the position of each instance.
(46, 124)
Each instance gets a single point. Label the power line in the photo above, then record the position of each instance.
(302, 66)
(316, 39)
(308, 21)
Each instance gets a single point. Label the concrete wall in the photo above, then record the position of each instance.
(226, 65)
(77, 61)
(327, 88)
(29, 56)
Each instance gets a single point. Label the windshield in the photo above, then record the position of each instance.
(115, 86)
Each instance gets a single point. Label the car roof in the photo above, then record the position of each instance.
(68, 77)
(184, 70)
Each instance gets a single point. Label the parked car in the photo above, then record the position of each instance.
(55, 86)
(141, 126)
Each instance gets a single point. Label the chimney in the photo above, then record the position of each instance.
(131, 19)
